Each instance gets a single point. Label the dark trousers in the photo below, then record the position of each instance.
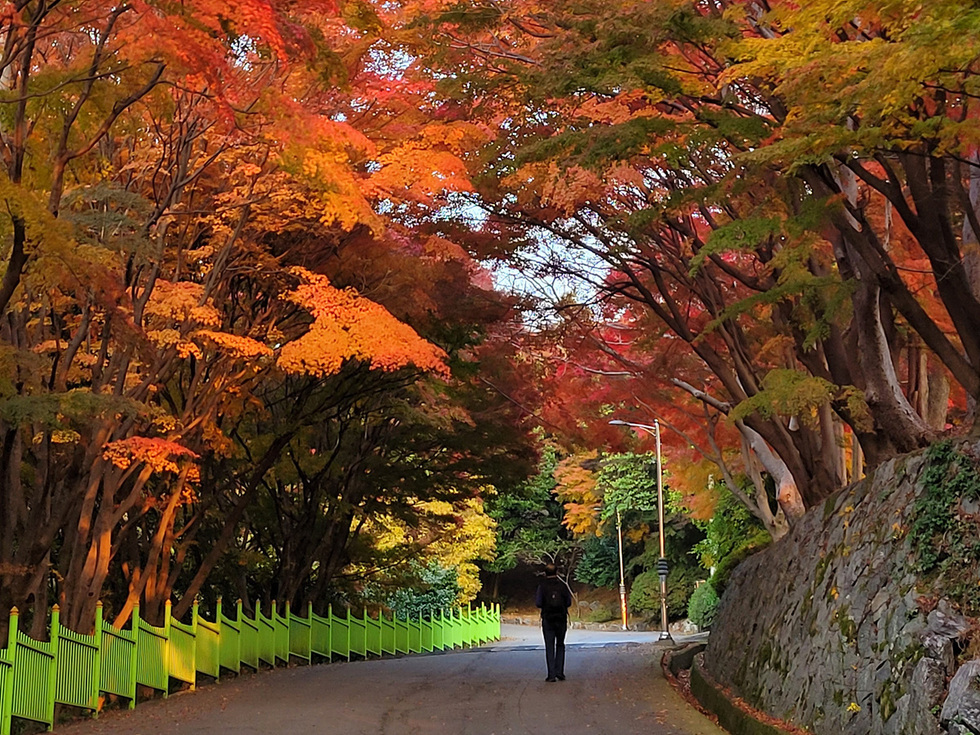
(554, 645)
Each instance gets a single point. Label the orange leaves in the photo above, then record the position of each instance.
(341, 201)
(429, 163)
(347, 326)
(158, 454)
(569, 189)
(256, 19)
(181, 301)
(165, 338)
(236, 345)
(578, 490)
(175, 306)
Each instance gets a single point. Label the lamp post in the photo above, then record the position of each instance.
(622, 576)
(662, 567)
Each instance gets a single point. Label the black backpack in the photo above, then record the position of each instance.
(553, 602)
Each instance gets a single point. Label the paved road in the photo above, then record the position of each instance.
(614, 687)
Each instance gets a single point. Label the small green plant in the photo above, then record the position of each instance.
(601, 614)
(702, 608)
(945, 541)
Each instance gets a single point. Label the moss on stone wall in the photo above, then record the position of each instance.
(945, 528)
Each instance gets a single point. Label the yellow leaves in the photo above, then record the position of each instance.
(325, 189)
(180, 304)
(347, 326)
(158, 454)
(164, 423)
(59, 436)
(454, 535)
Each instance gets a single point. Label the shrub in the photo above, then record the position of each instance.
(702, 608)
(601, 614)
(645, 592)
(436, 591)
(599, 565)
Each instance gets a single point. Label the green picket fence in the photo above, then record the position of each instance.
(74, 669)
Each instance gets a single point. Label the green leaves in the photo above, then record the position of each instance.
(741, 235)
(598, 146)
(943, 535)
(787, 393)
(59, 410)
(629, 483)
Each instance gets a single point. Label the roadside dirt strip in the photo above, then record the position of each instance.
(614, 687)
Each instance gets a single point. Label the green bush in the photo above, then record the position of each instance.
(602, 614)
(644, 595)
(599, 565)
(702, 608)
(435, 591)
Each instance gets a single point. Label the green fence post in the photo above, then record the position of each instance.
(166, 649)
(195, 612)
(240, 612)
(134, 627)
(289, 612)
(97, 663)
(217, 620)
(365, 632)
(309, 634)
(7, 695)
(53, 669)
(274, 618)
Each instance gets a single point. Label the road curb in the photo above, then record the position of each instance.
(734, 718)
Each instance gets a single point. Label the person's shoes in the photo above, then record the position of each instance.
(551, 678)
(560, 677)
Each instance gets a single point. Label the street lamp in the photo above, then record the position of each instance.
(662, 567)
(622, 577)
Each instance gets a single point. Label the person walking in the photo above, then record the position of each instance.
(554, 598)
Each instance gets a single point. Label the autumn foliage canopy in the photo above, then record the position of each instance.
(248, 322)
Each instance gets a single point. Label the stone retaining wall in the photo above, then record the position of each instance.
(830, 629)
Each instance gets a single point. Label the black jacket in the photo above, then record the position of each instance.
(547, 584)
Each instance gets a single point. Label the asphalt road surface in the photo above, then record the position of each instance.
(614, 687)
